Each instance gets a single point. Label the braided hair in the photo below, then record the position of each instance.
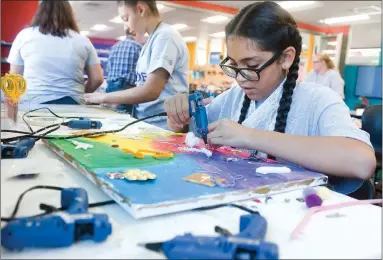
(273, 29)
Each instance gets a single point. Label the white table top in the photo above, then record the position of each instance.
(355, 235)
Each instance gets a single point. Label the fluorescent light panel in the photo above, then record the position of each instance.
(179, 26)
(189, 39)
(218, 35)
(116, 19)
(99, 27)
(294, 4)
(85, 33)
(215, 19)
(345, 19)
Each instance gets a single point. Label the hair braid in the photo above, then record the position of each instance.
(288, 87)
(244, 109)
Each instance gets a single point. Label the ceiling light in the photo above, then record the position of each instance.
(218, 35)
(160, 6)
(331, 43)
(190, 39)
(345, 19)
(215, 19)
(179, 26)
(84, 33)
(329, 51)
(146, 34)
(99, 27)
(121, 38)
(116, 19)
(294, 4)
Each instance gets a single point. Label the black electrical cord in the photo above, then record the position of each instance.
(227, 205)
(10, 139)
(41, 108)
(47, 208)
(54, 126)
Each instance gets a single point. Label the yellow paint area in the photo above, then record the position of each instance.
(136, 144)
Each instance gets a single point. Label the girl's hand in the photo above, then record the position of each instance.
(228, 133)
(177, 108)
(95, 98)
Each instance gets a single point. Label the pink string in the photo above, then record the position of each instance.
(298, 230)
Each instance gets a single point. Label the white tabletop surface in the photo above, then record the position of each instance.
(355, 235)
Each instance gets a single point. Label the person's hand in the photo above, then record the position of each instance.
(177, 109)
(95, 98)
(229, 133)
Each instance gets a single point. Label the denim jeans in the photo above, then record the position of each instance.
(119, 85)
(344, 185)
(62, 101)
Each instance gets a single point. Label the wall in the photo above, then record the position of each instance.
(366, 36)
(15, 16)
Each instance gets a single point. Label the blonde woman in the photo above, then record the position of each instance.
(324, 73)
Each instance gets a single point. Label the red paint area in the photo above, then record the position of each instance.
(174, 142)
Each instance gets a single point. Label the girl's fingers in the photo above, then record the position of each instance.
(179, 109)
(185, 108)
(214, 125)
(173, 112)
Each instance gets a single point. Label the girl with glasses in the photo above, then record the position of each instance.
(272, 114)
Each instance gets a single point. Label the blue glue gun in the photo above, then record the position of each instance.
(59, 229)
(248, 244)
(83, 123)
(18, 149)
(198, 114)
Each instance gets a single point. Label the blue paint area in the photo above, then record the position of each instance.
(169, 185)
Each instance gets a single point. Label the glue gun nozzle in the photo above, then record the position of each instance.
(205, 139)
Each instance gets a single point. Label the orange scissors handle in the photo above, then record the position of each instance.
(13, 86)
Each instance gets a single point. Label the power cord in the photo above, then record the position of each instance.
(47, 208)
(43, 136)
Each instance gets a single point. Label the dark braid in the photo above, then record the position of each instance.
(288, 87)
(244, 109)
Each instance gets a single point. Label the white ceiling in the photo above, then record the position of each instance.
(89, 13)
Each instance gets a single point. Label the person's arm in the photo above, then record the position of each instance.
(164, 55)
(340, 148)
(337, 83)
(151, 90)
(95, 78)
(16, 69)
(93, 69)
(14, 57)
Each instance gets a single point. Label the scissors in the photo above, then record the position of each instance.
(13, 86)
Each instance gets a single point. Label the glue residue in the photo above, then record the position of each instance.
(205, 151)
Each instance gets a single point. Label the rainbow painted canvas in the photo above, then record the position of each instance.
(185, 179)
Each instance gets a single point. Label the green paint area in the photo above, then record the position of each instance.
(103, 155)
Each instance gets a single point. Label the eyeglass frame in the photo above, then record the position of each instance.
(258, 71)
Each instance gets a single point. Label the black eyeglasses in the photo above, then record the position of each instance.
(247, 73)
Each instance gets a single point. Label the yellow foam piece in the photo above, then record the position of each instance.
(324, 193)
(138, 175)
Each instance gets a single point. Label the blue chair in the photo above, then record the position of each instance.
(372, 124)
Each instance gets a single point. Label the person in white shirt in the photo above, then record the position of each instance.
(269, 112)
(52, 56)
(162, 68)
(324, 73)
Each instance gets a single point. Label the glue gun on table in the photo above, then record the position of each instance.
(59, 229)
(248, 244)
(83, 123)
(18, 149)
(198, 114)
